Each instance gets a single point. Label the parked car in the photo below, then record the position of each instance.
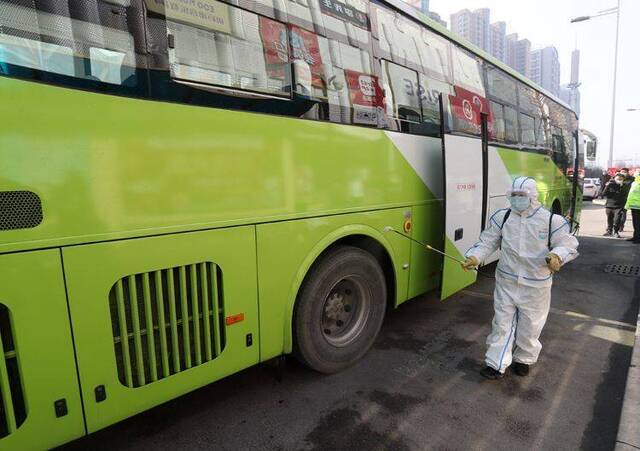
(591, 188)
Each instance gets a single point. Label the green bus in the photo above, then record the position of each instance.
(191, 187)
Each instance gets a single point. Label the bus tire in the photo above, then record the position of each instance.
(339, 310)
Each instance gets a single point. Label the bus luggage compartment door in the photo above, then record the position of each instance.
(40, 405)
(463, 182)
(157, 317)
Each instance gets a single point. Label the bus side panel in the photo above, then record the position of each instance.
(36, 340)
(286, 251)
(178, 272)
(426, 266)
(553, 183)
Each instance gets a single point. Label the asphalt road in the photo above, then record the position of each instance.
(419, 388)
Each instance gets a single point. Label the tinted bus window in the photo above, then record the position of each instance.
(510, 125)
(501, 86)
(397, 38)
(402, 94)
(527, 130)
(498, 133)
(430, 91)
(434, 54)
(337, 75)
(231, 48)
(529, 101)
(90, 44)
(467, 72)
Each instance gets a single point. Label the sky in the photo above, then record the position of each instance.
(546, 22)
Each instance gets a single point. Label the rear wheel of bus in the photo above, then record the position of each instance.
(339, 310)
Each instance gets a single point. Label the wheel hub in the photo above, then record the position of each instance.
(344, 315)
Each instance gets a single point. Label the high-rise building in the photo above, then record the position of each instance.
(523, 57)
(474, 26)
(422, 5)
(571, 96)
(545, 69)
(517, 53)
(575, 67)
(570, 92)
(498, 36)
(436, 17)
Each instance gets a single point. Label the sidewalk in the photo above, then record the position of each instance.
(593, 221)
(628, 438)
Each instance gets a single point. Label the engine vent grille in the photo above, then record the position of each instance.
(19, 210)
(12, 408)
(167, 321)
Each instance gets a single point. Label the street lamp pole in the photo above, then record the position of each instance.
(607, 12)
(615, 85)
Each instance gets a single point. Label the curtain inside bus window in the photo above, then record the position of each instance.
(217, 44)
(60, 42)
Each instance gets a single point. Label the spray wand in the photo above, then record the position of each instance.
(431, 248)
(388, 229)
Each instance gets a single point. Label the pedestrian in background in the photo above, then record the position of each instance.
(604, 179)
(633, 204)
(616, 193)
(628, 180)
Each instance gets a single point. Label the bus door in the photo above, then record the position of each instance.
(575, 179)
(465, 168)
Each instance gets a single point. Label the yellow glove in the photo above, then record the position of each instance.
(470, 263)
(554, 263)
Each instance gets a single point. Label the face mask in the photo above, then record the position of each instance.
(519, 203)
(619, 182)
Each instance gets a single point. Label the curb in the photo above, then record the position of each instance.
(629, 428)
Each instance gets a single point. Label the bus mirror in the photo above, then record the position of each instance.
(591, 151)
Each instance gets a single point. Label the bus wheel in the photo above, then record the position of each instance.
(339, 310)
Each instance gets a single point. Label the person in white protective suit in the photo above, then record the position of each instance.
(535, 244)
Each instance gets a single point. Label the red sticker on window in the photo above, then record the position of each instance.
(305, 47)
(364, 89)
(467, 106)
(274, 41)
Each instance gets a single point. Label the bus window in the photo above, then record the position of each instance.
(498, 133)
(510, 125)
(402, 97)
(467, 72)
(338, 76)
(501, 86)
(434, 54)
(541, 132)
(530, 101)
(430, 91)
(398, 38)
(238, 49)
(295, 13)
(527, 130)
(90, 44)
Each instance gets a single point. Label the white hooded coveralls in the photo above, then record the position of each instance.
(523, 281)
